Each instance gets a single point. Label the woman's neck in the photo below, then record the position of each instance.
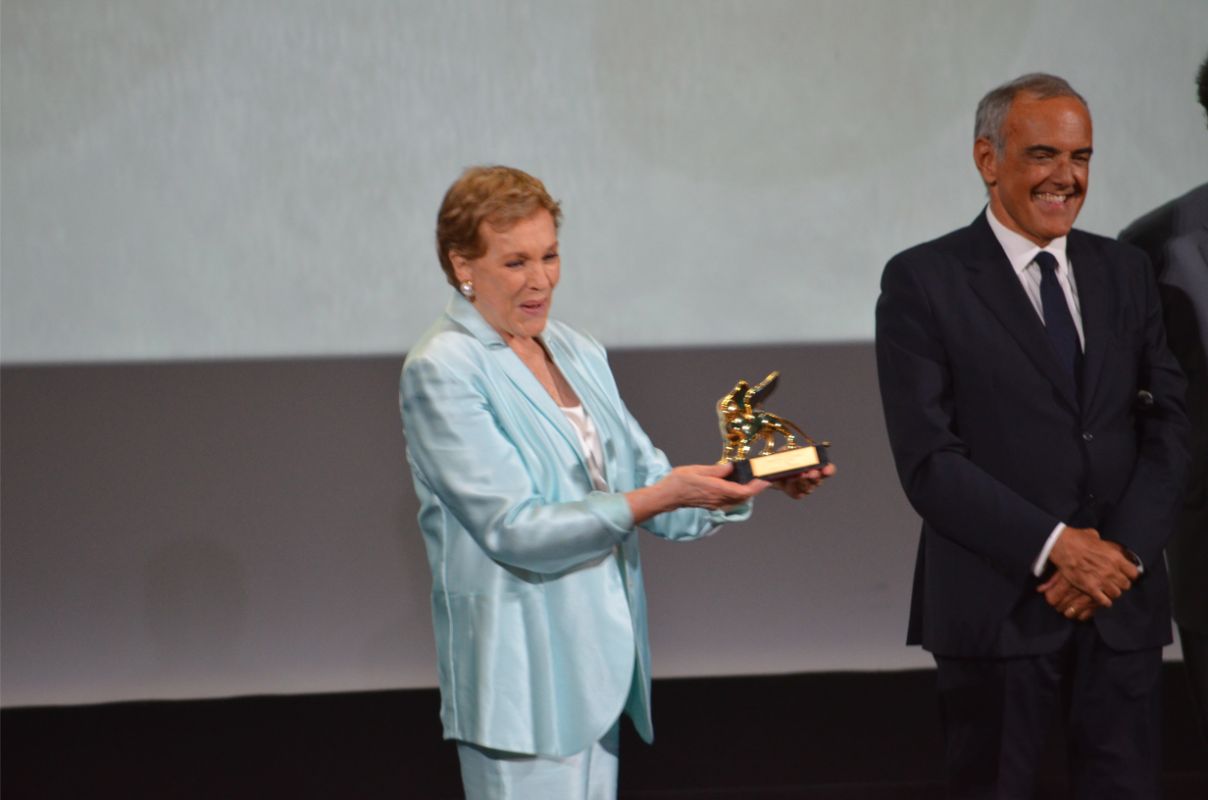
(532, 353)
(528, 347)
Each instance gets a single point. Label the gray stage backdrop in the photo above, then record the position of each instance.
(216, 248)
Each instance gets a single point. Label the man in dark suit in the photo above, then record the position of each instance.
(1010, 355)
(1175, 237)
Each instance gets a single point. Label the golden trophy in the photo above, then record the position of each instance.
(744, 424)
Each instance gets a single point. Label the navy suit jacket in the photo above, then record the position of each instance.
(1175, 237)
(995, 444)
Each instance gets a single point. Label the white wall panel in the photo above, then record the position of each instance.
(216, 178)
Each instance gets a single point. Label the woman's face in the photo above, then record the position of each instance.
(514, 279)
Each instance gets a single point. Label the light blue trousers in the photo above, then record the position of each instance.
(488, 774)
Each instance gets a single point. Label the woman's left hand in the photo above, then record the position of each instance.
(798, 486)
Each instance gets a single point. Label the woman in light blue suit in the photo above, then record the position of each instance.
(532, 478)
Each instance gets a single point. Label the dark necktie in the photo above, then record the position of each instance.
(1058, 322)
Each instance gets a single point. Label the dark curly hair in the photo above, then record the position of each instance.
(1201, 82)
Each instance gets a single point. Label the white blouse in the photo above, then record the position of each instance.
(589, 439)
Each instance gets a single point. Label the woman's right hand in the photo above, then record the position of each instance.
(694, 485)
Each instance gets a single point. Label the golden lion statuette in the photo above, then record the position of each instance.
(743, 424)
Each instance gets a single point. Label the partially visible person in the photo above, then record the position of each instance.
(1010, 354)
(1176, 238)
(533, 478)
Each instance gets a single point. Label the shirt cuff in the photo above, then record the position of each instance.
(614, 510)
(1039, 564)
(738, 513)
(1135, 559)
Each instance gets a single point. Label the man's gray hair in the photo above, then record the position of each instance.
(992, 110)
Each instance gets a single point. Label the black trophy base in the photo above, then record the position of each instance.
(782, 464)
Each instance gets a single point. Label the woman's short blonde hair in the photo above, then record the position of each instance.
(499, 196)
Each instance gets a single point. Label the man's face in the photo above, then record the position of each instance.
(1038, 182)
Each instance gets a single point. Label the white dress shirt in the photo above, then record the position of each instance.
(1021, 252)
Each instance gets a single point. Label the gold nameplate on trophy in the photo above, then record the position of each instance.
(745, 425)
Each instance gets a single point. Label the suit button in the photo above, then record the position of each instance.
(1087, 436)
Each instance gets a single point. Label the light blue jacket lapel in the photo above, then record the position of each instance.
(527, 386)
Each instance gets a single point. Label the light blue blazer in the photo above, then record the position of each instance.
(537, 598)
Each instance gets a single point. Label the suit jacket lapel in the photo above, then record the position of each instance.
(527, 386)
(587, 387)
(1093, 305)
(995, 282)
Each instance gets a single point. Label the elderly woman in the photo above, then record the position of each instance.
(532, 479)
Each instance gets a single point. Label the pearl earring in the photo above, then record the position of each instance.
(467, 289)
